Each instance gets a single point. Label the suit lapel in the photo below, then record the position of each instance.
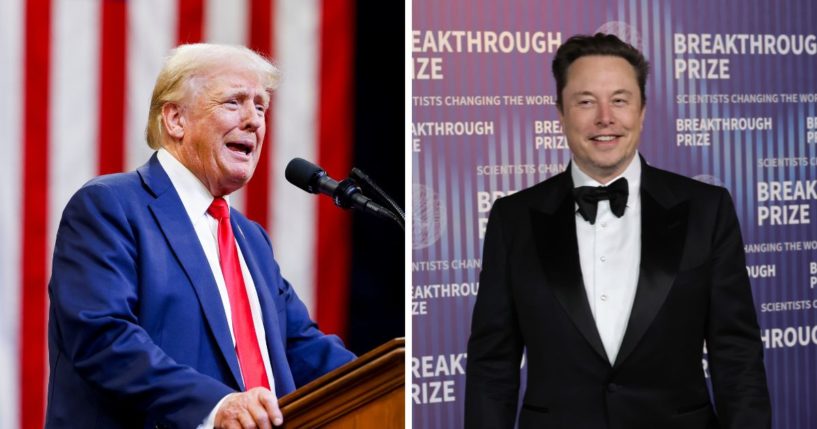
(663, 233)
(554, 230)
(177, 229)
(272, 328)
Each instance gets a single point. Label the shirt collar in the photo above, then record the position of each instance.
(194, 195)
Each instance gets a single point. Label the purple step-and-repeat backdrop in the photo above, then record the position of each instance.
(731, 100)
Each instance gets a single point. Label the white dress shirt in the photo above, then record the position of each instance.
(196, 200)
(610, 256)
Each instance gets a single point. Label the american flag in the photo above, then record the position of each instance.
(75, 83)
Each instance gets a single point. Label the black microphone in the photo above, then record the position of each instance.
(345, 193)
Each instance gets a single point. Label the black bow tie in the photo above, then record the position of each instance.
(587, 197)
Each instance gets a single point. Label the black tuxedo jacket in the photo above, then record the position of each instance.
(692, 286)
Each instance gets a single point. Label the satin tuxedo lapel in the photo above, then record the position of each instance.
(663, 233)
(272, 326)
(177, 229)
(554, 233)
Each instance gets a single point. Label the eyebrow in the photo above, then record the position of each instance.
(616, 92)
(243, 93)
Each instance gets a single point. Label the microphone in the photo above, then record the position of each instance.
(345, 193)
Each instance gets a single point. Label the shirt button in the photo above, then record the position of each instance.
(603, 259)
(604, 297)
(604, 224)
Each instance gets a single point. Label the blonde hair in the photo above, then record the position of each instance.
(188, 61)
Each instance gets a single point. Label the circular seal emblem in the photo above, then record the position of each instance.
(623, 31)
(428, 219)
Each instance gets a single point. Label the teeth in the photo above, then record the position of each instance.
(604, 138)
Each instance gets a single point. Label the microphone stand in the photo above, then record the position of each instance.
(396, 212)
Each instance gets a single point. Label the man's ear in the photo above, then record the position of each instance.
(173, 120)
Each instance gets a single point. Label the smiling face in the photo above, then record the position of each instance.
(602, 115)
(218, 129)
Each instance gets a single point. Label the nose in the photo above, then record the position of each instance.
(251, 118)
(604, 115)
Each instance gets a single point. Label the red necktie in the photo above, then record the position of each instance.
(246, 343)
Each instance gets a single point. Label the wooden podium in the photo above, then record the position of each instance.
(368, 392)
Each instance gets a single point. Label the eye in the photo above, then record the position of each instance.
(619, 101)
(585, 102)
(260, 108)
(232, 103)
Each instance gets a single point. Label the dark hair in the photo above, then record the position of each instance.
(599, 44)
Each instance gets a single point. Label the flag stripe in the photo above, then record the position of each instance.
(35, 211)
(225, 21)
(190, 21)
(152, 33)
(260, 40)
(11, 18)
(335, 154)
(73, 112)
(112, 97)
(293, 210)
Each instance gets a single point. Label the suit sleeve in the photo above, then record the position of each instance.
(495, 345)
(94, 313)
(310, 352)
(733, 336)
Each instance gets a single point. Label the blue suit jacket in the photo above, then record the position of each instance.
(137, 332)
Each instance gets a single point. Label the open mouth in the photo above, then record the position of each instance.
(241, 147)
